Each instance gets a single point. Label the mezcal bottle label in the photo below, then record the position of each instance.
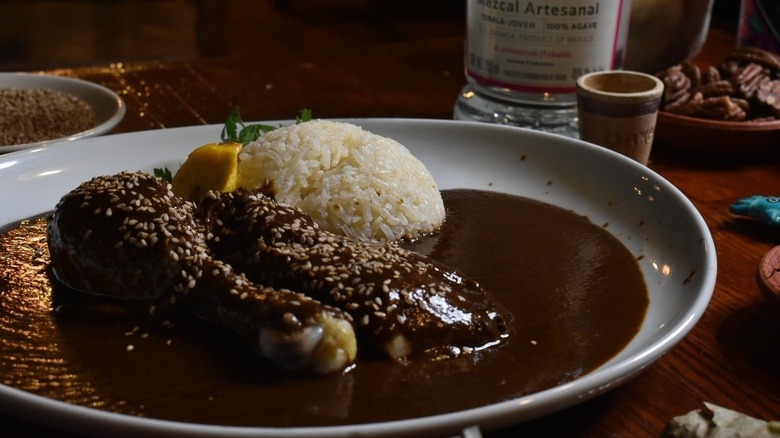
(542, 46)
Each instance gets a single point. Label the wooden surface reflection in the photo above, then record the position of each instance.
(390, 80)
(731, 358)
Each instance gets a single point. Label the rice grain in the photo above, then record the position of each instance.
(349, 180)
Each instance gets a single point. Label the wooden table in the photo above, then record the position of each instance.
(731, 358)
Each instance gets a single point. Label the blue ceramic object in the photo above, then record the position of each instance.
(764, 208)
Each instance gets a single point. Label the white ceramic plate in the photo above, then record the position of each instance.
(650, 216)
(108, 106)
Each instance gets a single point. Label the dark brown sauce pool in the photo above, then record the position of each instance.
(575, 295)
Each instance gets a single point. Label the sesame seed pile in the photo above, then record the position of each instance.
(30, 115)
(128, 236)
(403, 304)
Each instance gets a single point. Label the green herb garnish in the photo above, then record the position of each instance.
(163, 173)
(236, 131)
(304, 115)
(247, 133)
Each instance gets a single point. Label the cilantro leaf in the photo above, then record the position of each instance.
(304, 115)
(251, 133)
(163, 173)
(230, 130)
(246, 134)
(236, 131)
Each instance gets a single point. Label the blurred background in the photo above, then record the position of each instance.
(37, 34)
(43, 34)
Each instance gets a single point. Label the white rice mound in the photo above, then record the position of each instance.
(351, 181)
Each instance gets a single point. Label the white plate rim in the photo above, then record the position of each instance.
(108, 106)
(490, 417)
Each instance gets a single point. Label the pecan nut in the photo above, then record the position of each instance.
(676, 84)
(716, 108)
(693, 72)
(710, 75)
(749, 78)
(719, 88)
(745, 86)
(769, 94)
(755, 55)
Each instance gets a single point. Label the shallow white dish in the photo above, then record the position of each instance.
(108, 107)
(651, 217)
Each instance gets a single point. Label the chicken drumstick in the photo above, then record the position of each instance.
(403, 304)
(127, 236)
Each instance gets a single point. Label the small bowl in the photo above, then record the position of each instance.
(715, 137)
(108, 107)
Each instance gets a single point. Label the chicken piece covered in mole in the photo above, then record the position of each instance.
(128, 237)
(403, 304)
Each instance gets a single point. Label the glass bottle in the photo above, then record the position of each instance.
(523, 57)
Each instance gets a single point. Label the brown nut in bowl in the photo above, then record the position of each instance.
(733, 107)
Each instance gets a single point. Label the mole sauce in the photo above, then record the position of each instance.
(574, 294)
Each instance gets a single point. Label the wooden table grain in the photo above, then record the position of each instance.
(731, 357)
